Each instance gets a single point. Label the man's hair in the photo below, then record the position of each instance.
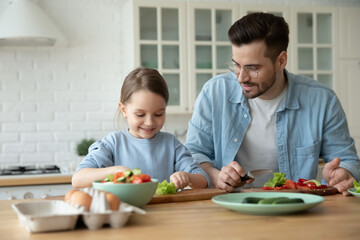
(273, 30)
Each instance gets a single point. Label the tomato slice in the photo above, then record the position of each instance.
(144, 177)
(290, 184)
(311, 185)
(301, 180)
(136, 179)
(118, 174)
(268, 188)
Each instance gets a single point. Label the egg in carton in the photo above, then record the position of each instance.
(100, 212)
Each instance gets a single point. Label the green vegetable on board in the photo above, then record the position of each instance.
(165, 188)
(278, 180)
(357, 186)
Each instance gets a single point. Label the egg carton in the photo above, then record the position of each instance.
(57, 215)
(100, 212)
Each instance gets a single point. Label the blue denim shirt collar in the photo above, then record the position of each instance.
(291, 101)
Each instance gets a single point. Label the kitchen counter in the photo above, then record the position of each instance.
(36, 179)
(338, 217)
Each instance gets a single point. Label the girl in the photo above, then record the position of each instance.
(144, 96)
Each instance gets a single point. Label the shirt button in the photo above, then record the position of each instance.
(236, 140)
(245, 115)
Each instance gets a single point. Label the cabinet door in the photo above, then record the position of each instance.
(349, 32)
(314, 37)
(209, 47)
(349, 95)
(161, 43)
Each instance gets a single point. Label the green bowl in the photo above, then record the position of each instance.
(135, 194)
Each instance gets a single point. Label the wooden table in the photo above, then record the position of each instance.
(338, 217)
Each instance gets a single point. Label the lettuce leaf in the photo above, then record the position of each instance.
(165, 188)
(277, 181)
(357, 186)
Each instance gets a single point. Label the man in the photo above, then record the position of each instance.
(261, 116)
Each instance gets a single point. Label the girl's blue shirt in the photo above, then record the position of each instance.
(159, 157)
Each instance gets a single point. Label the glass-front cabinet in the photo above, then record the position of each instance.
(187, 42)
(314, 44)
(209, 47)
(160, 43)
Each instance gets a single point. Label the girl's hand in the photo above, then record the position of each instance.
(180, 179)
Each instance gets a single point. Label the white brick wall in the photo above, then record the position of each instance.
(51, 98)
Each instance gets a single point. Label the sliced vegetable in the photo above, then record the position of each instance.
(136, 179)
(136, 171)
(317, 183)
(251, 200)
(270, 201)
(288, 201)
(109, 178)
(121, 179)
(290, 184)
(144, 177)
(165, 188)
(128, 173)
(127, 176)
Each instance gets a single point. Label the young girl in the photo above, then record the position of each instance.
(144, 96)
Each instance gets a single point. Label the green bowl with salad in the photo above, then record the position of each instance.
(130, 186)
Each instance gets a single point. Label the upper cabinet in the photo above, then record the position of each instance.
(209, 47)
(156, 38)
(187, 41)
(314, 42)
(349, 32)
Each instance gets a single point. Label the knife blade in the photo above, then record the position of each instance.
(255, 173)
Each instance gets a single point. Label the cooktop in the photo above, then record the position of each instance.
(29, 169)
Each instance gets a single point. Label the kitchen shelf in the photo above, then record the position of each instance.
(43, 179)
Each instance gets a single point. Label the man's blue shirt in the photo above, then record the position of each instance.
(310, 124)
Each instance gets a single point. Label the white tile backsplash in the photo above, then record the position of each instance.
(51, 98)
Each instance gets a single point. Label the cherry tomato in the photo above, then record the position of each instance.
(290, 184)
(301, 180)
(311, 185)
(144, 177)
(136, 179)
(117, 175)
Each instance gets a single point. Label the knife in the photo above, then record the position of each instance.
(255, 173)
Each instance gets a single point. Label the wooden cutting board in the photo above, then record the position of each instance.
(321, 192)
(187, 195)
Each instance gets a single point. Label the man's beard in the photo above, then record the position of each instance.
(261, 89)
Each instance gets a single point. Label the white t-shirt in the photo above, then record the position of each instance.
(258, 149)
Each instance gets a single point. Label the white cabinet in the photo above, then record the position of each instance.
(349, 32)
(349, 68)
(156, 38)
(209, 47)
(315, 42)
(187, 41)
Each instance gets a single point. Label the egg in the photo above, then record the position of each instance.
(69, 194)
(113, 201)
(81, 198)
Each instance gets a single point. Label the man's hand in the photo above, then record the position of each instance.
(229, 177)
(337, 176)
